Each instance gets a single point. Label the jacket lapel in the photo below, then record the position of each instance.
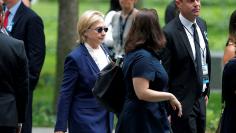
(184, 37)
(203, 31)
(89, 58)
(19, 13)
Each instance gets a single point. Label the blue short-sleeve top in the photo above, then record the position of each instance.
(144, 63)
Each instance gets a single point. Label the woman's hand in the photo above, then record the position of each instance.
(176, 104)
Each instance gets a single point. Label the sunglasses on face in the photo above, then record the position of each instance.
(100, 29)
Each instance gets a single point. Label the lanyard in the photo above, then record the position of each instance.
(198, 43)
(122, 26)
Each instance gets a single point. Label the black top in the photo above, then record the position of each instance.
(229, 82)
(229, 96)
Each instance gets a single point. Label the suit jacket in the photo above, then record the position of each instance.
(178, 60)
(77, 104)
(28, 26)
(13, 81)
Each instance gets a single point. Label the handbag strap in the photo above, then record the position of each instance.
(107, 53)
(119, 60)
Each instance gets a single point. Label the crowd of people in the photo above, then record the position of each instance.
(166, 70)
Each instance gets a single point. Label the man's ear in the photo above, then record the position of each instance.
(177, 3)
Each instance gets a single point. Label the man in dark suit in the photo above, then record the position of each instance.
(170, 12)
(24, 24)
(13, 83)
(187, 61)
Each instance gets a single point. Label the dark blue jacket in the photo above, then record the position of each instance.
(77, 105)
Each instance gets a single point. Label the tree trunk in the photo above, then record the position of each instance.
(67, 35)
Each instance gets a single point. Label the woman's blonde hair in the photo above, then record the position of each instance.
(86, 21)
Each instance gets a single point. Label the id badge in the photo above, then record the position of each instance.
(205, 77)
(205, 69)
(9, 27)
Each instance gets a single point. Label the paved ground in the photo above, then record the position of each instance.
(42, 130)
(45, 130)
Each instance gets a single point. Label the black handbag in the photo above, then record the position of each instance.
(109, 88)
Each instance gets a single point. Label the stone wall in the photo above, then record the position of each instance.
(216, 70)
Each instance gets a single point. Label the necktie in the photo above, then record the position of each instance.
(198, 62)
(6, 18)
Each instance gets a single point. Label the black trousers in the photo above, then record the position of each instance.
(4, 129)
(27, 125)
(193, 123)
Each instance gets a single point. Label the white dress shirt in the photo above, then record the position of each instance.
(98, 55)
(189, 31)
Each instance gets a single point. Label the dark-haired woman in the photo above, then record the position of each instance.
(231, 43)
(229, 97)
(146, 79)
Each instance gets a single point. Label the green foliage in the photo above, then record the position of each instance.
(213, 111)
(43, 95)
(42, 105)
(217, 2)
(217, 21)
(43, 115)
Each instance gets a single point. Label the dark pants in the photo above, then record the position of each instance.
(27, 125)
(4, 129)
(193, 123)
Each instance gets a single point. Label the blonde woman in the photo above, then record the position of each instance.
(77, 106)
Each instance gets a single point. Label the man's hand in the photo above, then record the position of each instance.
(206, 100)
(18, 128)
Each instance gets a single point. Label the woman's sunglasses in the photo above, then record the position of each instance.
(100, 29)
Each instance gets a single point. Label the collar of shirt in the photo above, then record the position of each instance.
(90, 49)
(13, 11)
(98, 56)
(3, 30)
(186, 23)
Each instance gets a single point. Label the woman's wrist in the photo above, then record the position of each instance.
(172, 97)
